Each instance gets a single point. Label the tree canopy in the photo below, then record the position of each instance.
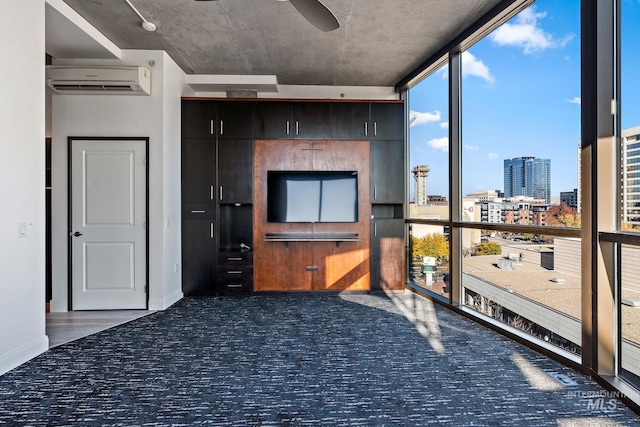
(434, 245)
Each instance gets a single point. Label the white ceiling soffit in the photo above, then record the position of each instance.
(223, 83)
(69, 35)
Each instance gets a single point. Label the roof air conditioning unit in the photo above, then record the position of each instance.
(99, 80)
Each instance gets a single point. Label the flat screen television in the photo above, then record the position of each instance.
(318, 196)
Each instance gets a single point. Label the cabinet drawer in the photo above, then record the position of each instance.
(244, 284)
(235, 258)
(199, 211)
(234, 271)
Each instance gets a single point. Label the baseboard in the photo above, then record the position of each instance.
(23, 354)
(166, 302)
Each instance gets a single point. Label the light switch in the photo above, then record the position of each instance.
(23, 229)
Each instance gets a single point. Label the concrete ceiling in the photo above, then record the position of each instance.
(379, 41)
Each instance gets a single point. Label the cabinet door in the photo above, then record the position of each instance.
(387, 120)
(199, 259)
(272, 120)
(235, 120)
(198, 171)
(235, 170)
(311, 120)
(198, 119)
(387, 254)
(387, 171)
(350, 120)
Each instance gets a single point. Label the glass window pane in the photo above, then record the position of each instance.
(521, 119)
(430, 258)
(630, 314)
(534, 287)
(630, 116)
(429, 147)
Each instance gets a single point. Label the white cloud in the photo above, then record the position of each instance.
(418, 118)
(444, 125)
(440, 143)
(471, 147)
(575, 100)
(525, 32)
(472, 66)
(493, 156)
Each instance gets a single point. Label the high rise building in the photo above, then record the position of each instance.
(630, 162)
(528, 176)
(420, 184)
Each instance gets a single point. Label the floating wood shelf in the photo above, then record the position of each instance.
(312, 237)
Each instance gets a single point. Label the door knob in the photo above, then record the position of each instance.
(76, 234)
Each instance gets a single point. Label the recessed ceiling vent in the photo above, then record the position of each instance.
(99, 80)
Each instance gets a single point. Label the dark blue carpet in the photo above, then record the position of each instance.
(299, 359)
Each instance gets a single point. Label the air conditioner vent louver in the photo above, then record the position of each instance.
(94, 81)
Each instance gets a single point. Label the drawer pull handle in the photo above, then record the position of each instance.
(234, 272)
(234, 259)
(312, 268)
(198, 211)
(234, 285)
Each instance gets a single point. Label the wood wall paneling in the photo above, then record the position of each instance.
(280, 266)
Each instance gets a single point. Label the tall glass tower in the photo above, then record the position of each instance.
(528, 176)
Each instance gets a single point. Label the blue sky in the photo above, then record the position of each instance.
(521, 97)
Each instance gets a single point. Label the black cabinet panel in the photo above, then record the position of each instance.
(311, 120)
(198, 171)
(198, 119)
(272, 120)
(387, 121)
(199, 261)
(350, 120)
(387, 172)
(235, 120)
(235, 170)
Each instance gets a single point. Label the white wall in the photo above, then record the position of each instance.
(157, 117)
(22, 196)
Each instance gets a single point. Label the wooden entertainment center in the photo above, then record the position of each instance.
(228, 149)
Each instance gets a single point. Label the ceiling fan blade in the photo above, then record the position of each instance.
(317, 14)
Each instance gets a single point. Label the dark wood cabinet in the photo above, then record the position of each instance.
(198, 119)
(387, 121)
(198, 171)
(311, 120)
(235, 273)
(235, 170)
(228, 146)
(387, 172)
(234, 120)
(292, 120)
(199, 261)
(387, 254)
(350, 120)
(272, 120)
(217, 156)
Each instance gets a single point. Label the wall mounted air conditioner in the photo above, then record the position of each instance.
(99, 80)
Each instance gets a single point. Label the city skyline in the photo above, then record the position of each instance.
(502, 118)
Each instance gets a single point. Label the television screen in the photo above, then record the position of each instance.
(326, 196)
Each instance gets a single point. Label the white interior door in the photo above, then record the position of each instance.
(108, 230)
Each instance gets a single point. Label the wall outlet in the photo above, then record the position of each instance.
(176, 267)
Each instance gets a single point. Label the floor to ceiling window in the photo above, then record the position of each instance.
(628, 288)
(525, 198)
(429, 182)
(520, 137)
